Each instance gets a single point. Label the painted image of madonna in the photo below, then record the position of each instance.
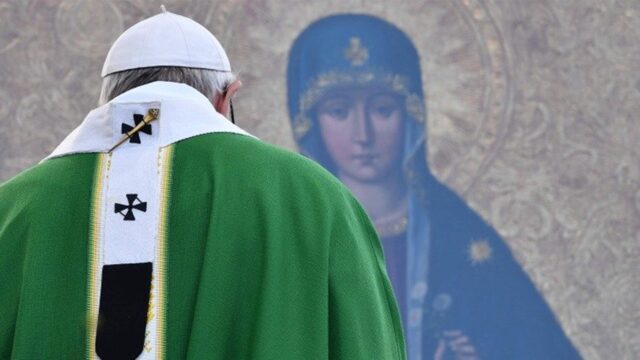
(357, 107)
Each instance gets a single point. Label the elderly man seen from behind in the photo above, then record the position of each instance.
(159, 229)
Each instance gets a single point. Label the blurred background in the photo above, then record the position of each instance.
(532, 109)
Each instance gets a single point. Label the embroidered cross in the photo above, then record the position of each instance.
(137, 119)
(356, 53)
(131, 199)
(129, 131)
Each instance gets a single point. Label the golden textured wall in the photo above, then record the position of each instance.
(533, 112)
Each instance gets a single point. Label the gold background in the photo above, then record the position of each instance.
(532, 111)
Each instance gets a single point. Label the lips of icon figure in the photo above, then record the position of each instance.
(362, 129)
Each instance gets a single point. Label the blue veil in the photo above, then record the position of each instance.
(460, 275)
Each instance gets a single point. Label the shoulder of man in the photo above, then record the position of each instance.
(246, 161)
(43, 186)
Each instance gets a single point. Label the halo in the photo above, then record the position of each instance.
(465, 74)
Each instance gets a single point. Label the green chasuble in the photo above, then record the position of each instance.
(258, 253)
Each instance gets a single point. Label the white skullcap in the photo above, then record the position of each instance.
(166, 39)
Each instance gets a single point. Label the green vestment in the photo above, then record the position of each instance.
(264, 255)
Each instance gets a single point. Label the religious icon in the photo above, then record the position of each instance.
(357, 107)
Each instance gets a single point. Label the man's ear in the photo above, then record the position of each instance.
(222, 102)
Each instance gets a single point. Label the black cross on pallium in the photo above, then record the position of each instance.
(131, 198)
(135, 138)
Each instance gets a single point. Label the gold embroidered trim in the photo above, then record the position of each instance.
(392, 228)
(302, 124)
(166, 156)
(95, 252)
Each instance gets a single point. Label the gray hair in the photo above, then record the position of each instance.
(210, 83)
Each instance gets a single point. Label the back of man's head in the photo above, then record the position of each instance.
(211, 83)
(166, 47)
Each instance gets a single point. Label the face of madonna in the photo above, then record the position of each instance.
(362, 129)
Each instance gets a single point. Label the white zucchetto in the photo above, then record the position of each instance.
(166, 39)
